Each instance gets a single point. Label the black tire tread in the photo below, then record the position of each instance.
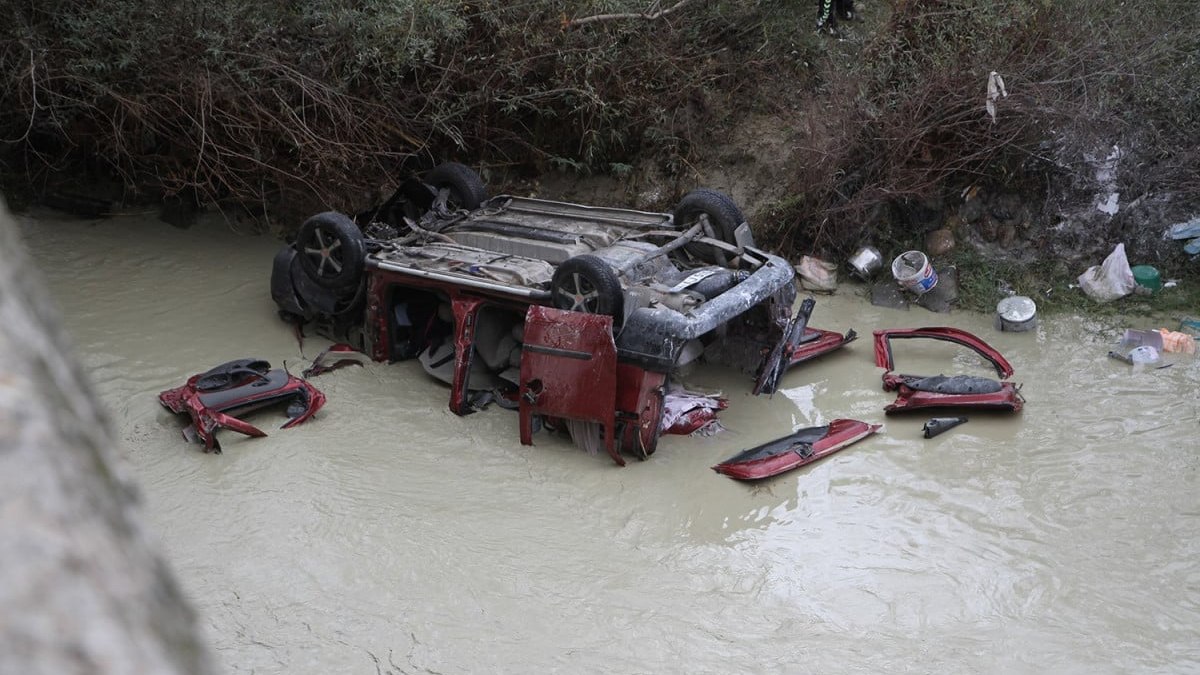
(722, 211)
(463, 181)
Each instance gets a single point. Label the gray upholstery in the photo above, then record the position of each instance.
(954, 384)
(219, 400)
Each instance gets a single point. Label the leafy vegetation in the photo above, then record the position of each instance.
(291, 107)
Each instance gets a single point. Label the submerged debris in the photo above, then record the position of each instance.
(795, 450)
(940, 425)
(214, 398)
(689, 412)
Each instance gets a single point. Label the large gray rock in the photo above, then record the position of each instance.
(82, 587)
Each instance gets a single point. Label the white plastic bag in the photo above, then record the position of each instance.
(1110, 280)
(818, 275)
(995, 89)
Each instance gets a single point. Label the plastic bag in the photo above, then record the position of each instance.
(1185, 230)
(995, 89)
(1176, 341)
(1109, 280)
(817, 275)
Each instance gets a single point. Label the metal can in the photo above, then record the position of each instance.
(1016, 314)
(865, 262)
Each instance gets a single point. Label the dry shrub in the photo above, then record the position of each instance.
(318, 104)
(910, 120)
(302, 106)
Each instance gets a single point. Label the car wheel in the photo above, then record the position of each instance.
(331, 250)
(318, 301)
(723, 213)
(586, 283)
(466, 187)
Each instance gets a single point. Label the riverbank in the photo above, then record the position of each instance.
(1035, 259)
(1036, 145)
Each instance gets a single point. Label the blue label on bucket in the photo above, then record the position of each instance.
(927, 282)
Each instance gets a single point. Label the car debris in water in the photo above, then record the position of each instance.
(576, 312)
(940, 391)
(335, 357)
(688, 413)
(216, 398)
(795, 450)
(940, 425)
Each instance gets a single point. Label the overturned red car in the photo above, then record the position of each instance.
(915, 392)
(573, 312)
(216, 398)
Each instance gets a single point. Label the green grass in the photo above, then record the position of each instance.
(982, 283)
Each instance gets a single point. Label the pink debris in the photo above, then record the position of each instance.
(688, 412)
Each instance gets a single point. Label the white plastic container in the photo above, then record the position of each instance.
(1143, 354)
(1137, 338)
(914, 272)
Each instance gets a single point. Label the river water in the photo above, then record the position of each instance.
(390, 536)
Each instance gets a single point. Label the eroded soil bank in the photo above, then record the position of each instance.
(388, 535)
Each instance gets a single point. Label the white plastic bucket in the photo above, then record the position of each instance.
(913, 271)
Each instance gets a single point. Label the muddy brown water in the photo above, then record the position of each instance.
(389, 535)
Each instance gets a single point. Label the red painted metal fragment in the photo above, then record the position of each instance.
(795, 450)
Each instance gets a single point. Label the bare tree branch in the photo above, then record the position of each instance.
(652, 14)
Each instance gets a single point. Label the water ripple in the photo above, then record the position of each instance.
(390, 535)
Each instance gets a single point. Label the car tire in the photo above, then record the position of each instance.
(331, 251)
(586, 283)
(316, 301)
(466, 187)
(722, 212)
(283, 291)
